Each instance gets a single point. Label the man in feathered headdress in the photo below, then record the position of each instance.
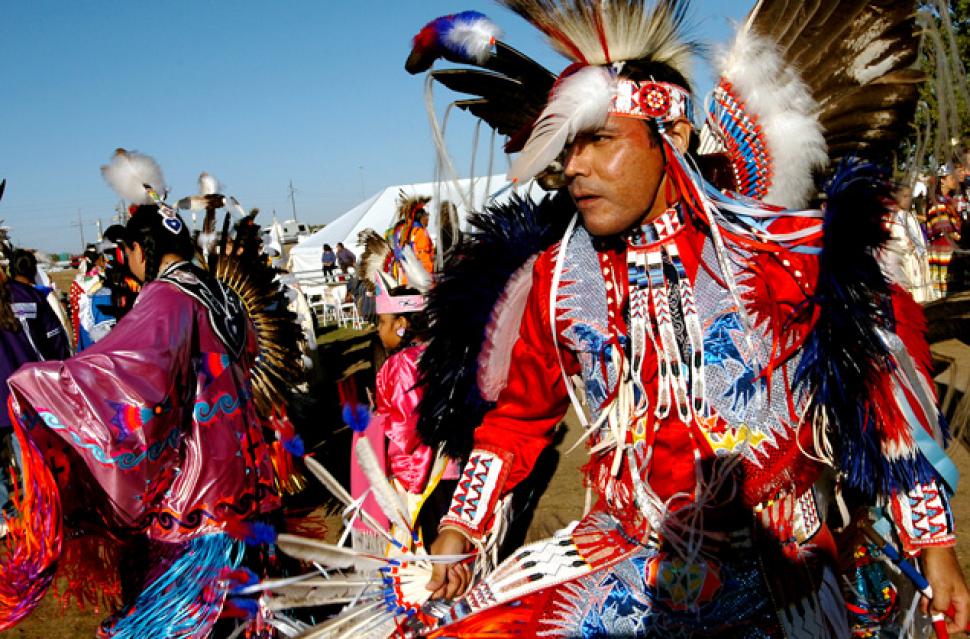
(731, 375)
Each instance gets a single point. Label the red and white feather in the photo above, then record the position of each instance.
(502, 332)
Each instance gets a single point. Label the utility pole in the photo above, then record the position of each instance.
(293, 199)
(80, 227)
(100, 230)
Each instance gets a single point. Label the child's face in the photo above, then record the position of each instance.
(388, 328)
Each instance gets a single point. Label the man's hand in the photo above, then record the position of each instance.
(942, 569)
(449, 580)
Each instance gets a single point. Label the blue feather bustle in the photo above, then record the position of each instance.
(459, 308)
(843, 355)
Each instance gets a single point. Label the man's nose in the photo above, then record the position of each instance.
(576, 161)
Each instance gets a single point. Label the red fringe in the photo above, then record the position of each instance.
(32, 546)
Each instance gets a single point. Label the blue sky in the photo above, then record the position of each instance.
(255, 92)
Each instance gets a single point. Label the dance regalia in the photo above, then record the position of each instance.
(154, 428)
(757, 520)
(942, 229)
(88, 319)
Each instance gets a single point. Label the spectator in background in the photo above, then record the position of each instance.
(29, 332)
(329, 261)
(345, 258)
(89, 298)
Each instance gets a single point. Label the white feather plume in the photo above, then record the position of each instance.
(503, 331)
(775, 95)
(418, 277)
(580, 103)
(208, 185)
(475, 37)
(129, 171)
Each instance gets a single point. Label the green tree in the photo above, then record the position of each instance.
(941, 127)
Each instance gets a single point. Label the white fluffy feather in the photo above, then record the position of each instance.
(580, 103)
(129, 171)
(503, 331)
(208, 185)
(775, 94)
(475, 37)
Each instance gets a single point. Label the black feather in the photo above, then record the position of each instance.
(844, 357)
(460, 305)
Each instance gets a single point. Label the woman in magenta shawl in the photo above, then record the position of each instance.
(154, 429)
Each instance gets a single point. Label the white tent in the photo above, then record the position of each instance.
(378, 212)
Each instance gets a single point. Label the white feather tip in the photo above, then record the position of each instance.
(474, 38)
(208, 184)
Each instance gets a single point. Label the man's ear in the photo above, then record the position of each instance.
(680, 131)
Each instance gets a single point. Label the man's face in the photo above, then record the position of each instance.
(615, 175)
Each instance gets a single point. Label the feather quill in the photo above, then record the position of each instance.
(328, 555)
(502, 332)
(129, 172)
(581, 102)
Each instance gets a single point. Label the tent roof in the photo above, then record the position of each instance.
(378, 212)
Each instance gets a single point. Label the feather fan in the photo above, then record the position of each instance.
(612, 30)
(857, 59)
(130, 172)
(376, 250)
(580, 102)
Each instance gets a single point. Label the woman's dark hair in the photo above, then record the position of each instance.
(147, 228)
(417, 321)
(326, 247)
(24, 264)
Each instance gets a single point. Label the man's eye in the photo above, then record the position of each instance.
(599, 137)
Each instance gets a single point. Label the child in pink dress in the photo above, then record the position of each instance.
(392, 430)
